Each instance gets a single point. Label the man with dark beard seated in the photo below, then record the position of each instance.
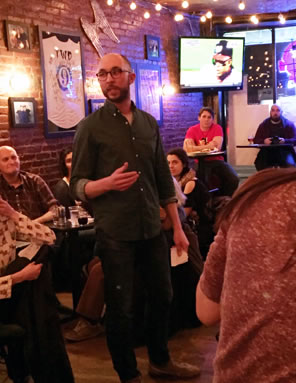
(275, 130)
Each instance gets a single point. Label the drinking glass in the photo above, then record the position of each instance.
(82, 216)
(251, 139)
(74, 214)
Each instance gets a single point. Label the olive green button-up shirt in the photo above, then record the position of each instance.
(103, 142)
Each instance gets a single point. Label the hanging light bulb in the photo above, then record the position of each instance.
(254, 19)
(185, 4)
(228, 19)
(179, 17)
(203, 19)
(146, 15)
(158, 7)
(109, 2)
(133, 6)
(241, 5)
(209, 15)
(282, 18)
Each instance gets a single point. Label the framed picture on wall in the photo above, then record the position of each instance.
(95, 104)
(134, 86)
(65, 103)
(23, 112)
(18, 36)
(152, 47)
(149, 85)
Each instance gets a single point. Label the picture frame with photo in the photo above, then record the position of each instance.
(149, 97)
(152, 47)
(23, 112)
(95, 104)
(18, 36)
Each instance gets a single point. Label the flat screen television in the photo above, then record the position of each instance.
(214, 63)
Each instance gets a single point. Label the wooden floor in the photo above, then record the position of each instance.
(91, 362)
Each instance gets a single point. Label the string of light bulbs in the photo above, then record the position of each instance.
(178, 16)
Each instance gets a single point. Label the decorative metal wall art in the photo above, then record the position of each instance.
(99, 26)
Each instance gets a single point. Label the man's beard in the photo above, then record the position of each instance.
(124, 94)
(275, 119)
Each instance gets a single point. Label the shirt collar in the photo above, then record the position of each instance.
(6, 184)
(114, 110)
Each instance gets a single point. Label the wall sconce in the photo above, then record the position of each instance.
(19, 82)
(92, 86)
(14, 82)
(166, 90)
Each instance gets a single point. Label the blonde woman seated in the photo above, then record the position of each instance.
(31, 304)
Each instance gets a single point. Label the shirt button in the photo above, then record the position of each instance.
(114, 114)
(133, 138)
(142, 189)
(137, 155)
(126, 123)
(139, 172)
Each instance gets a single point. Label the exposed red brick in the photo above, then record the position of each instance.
(39, 154)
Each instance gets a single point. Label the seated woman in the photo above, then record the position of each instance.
(91, 301)
(61, 190)
(31, 305)
(198, 197)
(184, 276)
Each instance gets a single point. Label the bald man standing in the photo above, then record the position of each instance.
(120, 167)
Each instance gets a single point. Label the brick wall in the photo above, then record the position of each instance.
(40, 155)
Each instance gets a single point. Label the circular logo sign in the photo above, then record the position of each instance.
(64, 77)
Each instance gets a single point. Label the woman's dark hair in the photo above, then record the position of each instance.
(181, 154)
(63, 155)
(254, 187)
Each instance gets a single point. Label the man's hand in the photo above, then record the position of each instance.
(267, 141)
(121, 180)
(7, 210)
(181, 241)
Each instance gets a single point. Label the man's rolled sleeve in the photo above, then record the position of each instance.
(79, 189)
(211, 281)
(84, 158)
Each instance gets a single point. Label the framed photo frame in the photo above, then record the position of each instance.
(149, 84)
(95, 104)
(134, 86)
(152, 47)
(18, 36)
(65, 103)
(23, 112)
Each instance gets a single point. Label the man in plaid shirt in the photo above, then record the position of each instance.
(27, 193)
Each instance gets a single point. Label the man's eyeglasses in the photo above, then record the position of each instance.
(115, 73)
